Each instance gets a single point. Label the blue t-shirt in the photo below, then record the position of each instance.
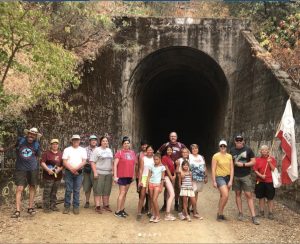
(156, 174)
(27, 154)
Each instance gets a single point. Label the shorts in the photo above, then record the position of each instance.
(222, 180)
(152, 186)
(87, 182)
(22, 178)
(102, 185)
(198, 186)
(144, 181)
(124, 181)
(242, 183)
(187, 193)
(265, 190)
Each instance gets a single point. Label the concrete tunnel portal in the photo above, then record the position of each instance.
(179, 89)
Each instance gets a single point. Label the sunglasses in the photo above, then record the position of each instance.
(223, 146)
(239, 140)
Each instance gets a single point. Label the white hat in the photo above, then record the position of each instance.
(75, 137)
(223, 142)
(34, 131)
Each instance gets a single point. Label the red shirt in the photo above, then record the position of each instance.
(260, 166)
(51, 159)
(167, 161)
(177, 146)
(126, 163)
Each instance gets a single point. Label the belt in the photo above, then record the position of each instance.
(78, 171)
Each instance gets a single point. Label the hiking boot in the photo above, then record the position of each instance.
(255, 221)
(76, 211)
(271, 216)
(119, 214)
(47, 210)
(240, 217)
(87, 205)
(66, 210)
(219, 217)
(261, 214)
(139, 217)
(54, 208)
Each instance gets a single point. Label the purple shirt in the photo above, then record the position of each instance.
(177, 146)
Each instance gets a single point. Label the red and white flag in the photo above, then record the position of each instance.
(286, 134)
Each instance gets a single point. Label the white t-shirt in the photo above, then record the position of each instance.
(148, 163)
(103, 158)
(74, 156)
(198, 160)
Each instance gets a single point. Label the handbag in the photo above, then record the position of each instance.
(276, 177)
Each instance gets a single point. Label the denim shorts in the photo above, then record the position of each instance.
(124, 181)
(222, 180)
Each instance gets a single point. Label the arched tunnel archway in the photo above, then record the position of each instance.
(179, 89)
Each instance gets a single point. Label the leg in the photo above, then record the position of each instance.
(107, 191)
(151, 201)
(185, 205)
(124, 199)
(261, 204)
(250, 203)
(77, 181)
(47, 194)
(194, 204)
(53, 197)
(141, 199)
(69, 188)
(223, 198)
(120, 200)
(19, 191)
(238, 200)
(170, 190)
(31, 195)
(156, 192)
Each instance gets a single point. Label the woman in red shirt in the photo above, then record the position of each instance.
(125, 161)
(169, 182)
(264, 188)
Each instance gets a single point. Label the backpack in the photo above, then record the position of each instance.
(22, 140)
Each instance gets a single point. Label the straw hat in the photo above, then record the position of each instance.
(34, 131)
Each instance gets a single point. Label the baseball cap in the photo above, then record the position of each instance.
(54, 141)
(223, 142)
(75, 137)
(93, 137)
(239, 137)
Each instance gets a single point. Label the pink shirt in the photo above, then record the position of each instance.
(126, 163)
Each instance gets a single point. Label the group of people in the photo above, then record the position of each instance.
(179, 171)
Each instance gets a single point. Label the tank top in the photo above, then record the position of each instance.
(148, 163)
(186, 182)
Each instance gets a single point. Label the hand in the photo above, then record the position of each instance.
(96, 176)
(269, 160)
(205, 180)
(215, 184)
(263, 177)
(50, 172)
(141, 184)
(116, 179)
(229, 184)
(239, 164)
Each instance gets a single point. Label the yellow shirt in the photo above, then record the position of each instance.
(223, 163)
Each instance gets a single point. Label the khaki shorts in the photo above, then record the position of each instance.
(198, 186)
(22, 178)
(242, 183)
(87, 182)
(102, 185)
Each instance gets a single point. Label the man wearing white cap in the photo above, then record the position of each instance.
(27, 150)
(74, 158)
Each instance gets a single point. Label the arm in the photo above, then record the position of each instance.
(44, 166)
(69, 167)
(136, 167)
(80, 166)
(260, 175)
(272, 163)
(116, 162)
(213, 172)
(141, 169)
(93, 166)
(162, 180)
(148, 179)
(177, 166)
(179, 180)
(231, 174)
(250, 163)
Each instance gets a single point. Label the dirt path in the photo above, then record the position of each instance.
(89, 227)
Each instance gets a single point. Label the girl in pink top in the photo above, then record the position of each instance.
(124, 163)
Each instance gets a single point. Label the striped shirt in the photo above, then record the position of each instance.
(186, 182)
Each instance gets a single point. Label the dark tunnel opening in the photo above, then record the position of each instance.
(184, 90)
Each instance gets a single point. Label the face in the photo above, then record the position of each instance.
(75, 142)
(185, 153)
(173, 137)
(195, 150)
(149, 152)
(104, 142)
(264, 152)
(223, 148)
(185, 167)
(126, 145)
(143, 147)
(93, 143)
(31, 137)
(156, 160)
(239, 143)
(54, 146)
(169, 151)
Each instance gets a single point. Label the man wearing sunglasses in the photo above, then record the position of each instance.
(244, 159)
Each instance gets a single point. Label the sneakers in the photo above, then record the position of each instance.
(66, 210)
(152, 219)
(124, 213)
(156, 220)
(240, 217)
(219, 217)
(139, 217)
(87, 205)
(270, 216)
(170, 217)
(261, 214)
(98, 210)
(255, 221)
(188, 218)
(76, 211)
(119, 214)
(181, 216)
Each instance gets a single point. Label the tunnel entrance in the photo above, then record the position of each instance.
(179, 89)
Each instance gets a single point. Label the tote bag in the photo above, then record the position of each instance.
(276, 178)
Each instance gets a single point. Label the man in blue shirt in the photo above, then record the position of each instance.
(27, 150)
